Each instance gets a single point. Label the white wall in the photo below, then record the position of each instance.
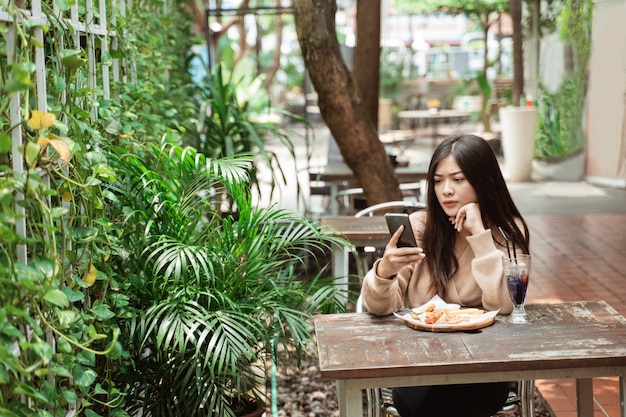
(606, 110)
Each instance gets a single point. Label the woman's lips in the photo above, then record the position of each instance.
(449, 203)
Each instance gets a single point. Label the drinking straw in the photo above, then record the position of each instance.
(514, 253)
(507, 241)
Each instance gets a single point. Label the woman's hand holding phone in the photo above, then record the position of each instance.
(395, 258)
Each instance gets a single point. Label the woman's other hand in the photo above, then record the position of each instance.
(468, 218)
(396, 258)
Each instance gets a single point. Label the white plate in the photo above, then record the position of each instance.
(439, 305)
(475, 321)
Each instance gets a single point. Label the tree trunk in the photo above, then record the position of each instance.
(367, 55)
(515, 10)
(271, 72)
(485, 117)
(340, 102)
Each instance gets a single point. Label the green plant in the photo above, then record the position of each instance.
(212, 297)
(55, 313)
(60, 298)
(392, 71)
(75, 236)
(477, 85)
(235, 119)
(559, 127)
(559, 131)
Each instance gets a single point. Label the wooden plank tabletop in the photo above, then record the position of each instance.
(341, 172)
(427, 114)
(360, 231)
(561, 336)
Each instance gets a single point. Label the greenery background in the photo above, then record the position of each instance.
(151, 280)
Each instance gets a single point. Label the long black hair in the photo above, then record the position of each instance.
(480, 167)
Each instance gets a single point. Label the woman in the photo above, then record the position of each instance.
(458, 258)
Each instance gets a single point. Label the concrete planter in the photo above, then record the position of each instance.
(518, 141)
(571, 168)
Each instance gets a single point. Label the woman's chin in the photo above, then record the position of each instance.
(450, 212)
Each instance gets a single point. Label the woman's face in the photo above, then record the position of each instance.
(453, 190)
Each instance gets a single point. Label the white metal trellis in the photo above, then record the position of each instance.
(97, 20)
(86, 26)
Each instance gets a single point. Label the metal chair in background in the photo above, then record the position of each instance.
(349, 198)
(368, 254)
(406, 206)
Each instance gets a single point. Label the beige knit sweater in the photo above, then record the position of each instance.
(478, 282)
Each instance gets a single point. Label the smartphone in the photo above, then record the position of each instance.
(394, 221)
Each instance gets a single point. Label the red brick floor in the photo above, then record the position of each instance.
(579, 257)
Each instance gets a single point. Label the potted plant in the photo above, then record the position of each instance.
(518, 141)
(475, 92)
(211, 298)
(236, 118)
(559, 151)
(518, 122)
(559, 154)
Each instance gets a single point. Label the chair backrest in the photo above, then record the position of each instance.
(407, 206)
(359, 305)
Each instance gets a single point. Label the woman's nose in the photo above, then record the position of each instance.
(447, 188)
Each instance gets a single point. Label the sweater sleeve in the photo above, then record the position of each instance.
(488, 272)
(383, 296)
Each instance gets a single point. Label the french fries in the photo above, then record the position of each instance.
(432, 315)
(465, 311)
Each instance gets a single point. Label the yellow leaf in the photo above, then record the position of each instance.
(90, 275)
(40, 120)
(62, 149)
(43, 141)
(67, 196)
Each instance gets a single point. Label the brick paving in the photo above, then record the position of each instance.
(577, 244)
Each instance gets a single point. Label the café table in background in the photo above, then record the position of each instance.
(337, 174)
(580, 340)
(409, 119)
(361, 232)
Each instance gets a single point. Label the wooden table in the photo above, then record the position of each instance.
(361, 232)
(337, 173)
(408, 116)
(579, 340)
(397, 141)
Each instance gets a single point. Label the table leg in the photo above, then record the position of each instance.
(622, 395)
(350, 400)
(584, 397)
(340, 268)
(435, 132)
(334, 204)
(526, 394)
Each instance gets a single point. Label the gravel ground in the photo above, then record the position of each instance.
(304, 394)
